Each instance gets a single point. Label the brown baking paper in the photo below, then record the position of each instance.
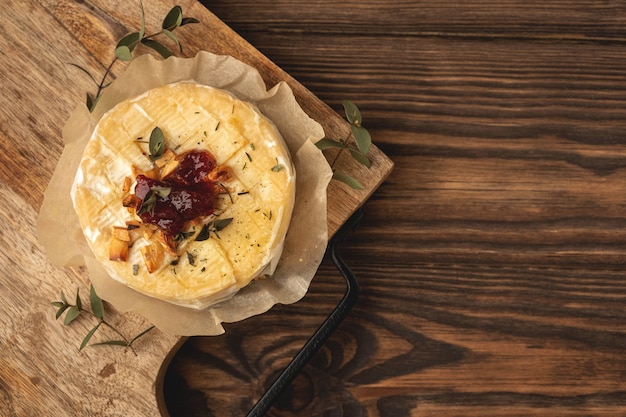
(61, 235)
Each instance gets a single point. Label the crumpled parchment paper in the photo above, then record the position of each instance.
(61, 235)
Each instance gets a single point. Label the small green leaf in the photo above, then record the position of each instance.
(130, 41)
(142, 30)
(123, 53)
(278, 168)
(215, 226)
(112, 343)
(94, 103)
(173, 19)
(157, 46)
(61, 310)
(220, 224)
(161, 191)
(89, 102)
(362, 137)
(88, 336)
(352, 113)
(362, 159)
(173, 37)
(156, 145)
(63, 298)
(97, 307)
(58, 304)
(347, 179)
(328, 143)
(72, 313)
(148, 204)
(204, 234)
(188, 20)
(79, 303)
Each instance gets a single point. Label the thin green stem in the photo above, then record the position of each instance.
(104, 77)
(344, 141)
(128, 343)
(107, 72)
(114, 329)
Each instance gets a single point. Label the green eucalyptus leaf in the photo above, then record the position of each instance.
(328, 143)
(89, 102)
(123, 53)
(173, 19)
(79, 303)
(156, 145)
(352, 113)
(95, 103)
(362, 137)
(142, 30)
(157, 46)
(347, 179)
(61, 310)
(188, 20)
(97, 307)
(71, 315)
(88, 336)
(129, 41)
(112, 343)
(173, 37)
(362, 159)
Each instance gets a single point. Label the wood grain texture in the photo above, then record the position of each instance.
(41, 370)
(492, 260)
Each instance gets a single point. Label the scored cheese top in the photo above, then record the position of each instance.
(258, 193)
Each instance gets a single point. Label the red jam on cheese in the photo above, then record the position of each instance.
(184, 195)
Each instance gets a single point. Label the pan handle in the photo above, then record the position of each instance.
(329, 325)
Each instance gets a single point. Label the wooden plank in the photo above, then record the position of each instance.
(41, 370)
(491, 261)
(449, 19)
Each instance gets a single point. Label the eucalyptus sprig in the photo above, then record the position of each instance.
(126, 46)
(358, 142)
(73, 311)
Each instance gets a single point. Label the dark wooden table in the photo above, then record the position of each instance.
(491, 262)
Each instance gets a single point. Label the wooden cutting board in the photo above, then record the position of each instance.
(42, 371)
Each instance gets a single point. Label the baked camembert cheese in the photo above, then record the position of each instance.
(185, 193)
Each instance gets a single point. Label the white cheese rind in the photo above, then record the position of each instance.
(260, 199)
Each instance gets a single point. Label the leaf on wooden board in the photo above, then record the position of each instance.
(327, 143)
(173, 19)
(353, 114)
(97, 307)
(71, 315)
(362, 137)
(158, 47)
(347, 179)
(88, 336)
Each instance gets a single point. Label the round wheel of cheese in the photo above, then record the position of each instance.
(185, 194)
